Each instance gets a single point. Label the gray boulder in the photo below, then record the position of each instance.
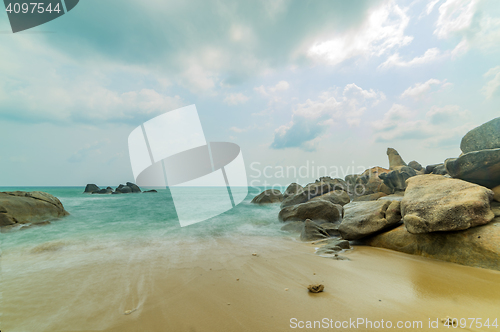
(123, 189)
(90, 188)
(438, 169)
(393, 212)
(319, 210)
(311, 232)
(486, 136)
(435, 203)
(480, 167)
(135, 188)
(395, 160)
(20, 207)
(364, 218)
(292, 189)
(415, 165)
(268, 196)
(339, 197)
(369, 197)
(396, 180)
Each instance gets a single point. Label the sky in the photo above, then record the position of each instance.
(320, 87)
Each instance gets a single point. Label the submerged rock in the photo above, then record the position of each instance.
(319, 210)
(486, 136)
(364, 218)
(434, 203)
(268, 196)
(477, 246)
(20, 207)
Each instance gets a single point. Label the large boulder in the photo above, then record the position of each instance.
(319, 210)
(395, 160)
(481, 167)
(496, 192)
(292, 189)
(369, 197)
(477, 246)
(439, 169)
(311, 231)
(20, 207)
(268, 196)
(336, 184)
(339, 197)
(486, 136)
(367, 182)
(364, 218)
(135, 188)
(435, 203)
(310, 191)
(416, 165)
(90, 188)
(396, 180)
(123, 189)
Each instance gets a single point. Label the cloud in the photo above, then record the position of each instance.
(454, 16)
(420, 89)
(441, 127)
(88, 150)
(280, 86)
(382, 31)
(310, 120)
(492, 85)
(395, 60)
(235, 99)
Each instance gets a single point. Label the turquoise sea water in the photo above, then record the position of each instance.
(110, 219)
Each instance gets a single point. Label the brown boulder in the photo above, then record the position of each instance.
(435, 203)
(339, 197)
(496, 192)
(268, 196)
(477, 246)
(364, 218)
(395, 160)
(319, 210)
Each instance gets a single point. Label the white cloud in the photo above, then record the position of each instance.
(492, 85)
(381, 32)
(235, 99)
(395, 60)
(238, 130)
(442, 126)
(280, 86)
(430, 6)
(419, 89)
(311, 119)
(454, 15)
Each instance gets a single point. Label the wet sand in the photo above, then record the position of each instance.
(218, 285)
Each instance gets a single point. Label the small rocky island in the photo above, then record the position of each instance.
(448, 211)
(128, 188)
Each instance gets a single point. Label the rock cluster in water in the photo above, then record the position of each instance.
(448, 211)
(121, 189)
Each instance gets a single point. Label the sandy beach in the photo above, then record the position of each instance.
(218, 284)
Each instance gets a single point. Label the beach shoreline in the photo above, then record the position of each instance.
(217, 284)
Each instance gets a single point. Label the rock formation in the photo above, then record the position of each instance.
(268, 196)
(435, 203)
(20, 207)
(395, 160)
(319, 210)
(486, 136)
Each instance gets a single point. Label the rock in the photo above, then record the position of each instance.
(316, 288)
(319, 210)
(90, 188)
(292, 189)
(268, 196)
(496, 192)
(108, 190)
(368, 182)
(20, 207)
(370, 197)
(123, 189)
(495, 208)
(415, 165)
(396, 180)
(480, 167)
(339, 197)
(435, 203)
(150, 191)
(477, 246)
(336, 184)
(395, 160)
(439, 169)
(364, 218)
(135, 188)
(298, 198)
(43, 223)
(333, 246)
(393, 197)
(331, 228)
(293, 226)
(309, 192)
(486, 136)
(393, 212)
(311, 231)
